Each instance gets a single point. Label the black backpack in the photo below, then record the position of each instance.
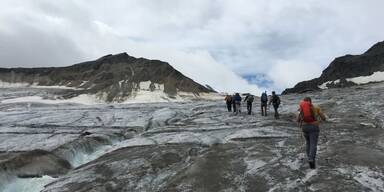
(250, 98)
(264, 98)
(276, 100)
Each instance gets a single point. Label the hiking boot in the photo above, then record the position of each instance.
(312, 164)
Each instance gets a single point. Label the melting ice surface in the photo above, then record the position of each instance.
(178, 146)
(28, 185)
(37, 184)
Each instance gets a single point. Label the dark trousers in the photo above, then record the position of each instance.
(249, 107)
(275, 107)
(311, 134)
(263, 109)
(234, 107)
(229, 106)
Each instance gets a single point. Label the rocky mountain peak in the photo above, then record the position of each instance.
(111, 77)
(376, 49)
(347, 71)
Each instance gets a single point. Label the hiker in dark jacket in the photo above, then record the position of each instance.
(237, 100)
(275, 101)
(249, 99)
(264, 103)
(228, 101)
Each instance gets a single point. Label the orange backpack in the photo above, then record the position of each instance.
(307, 113)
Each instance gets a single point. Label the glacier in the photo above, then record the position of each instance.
(53, 145)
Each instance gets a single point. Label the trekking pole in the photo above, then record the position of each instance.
(301, 139)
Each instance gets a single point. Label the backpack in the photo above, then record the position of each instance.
(250, 99)
(228, 98)
(276, 100)
(264, 98)
(307, 112)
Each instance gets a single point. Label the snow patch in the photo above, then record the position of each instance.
(84, 99)
(325, 85)
(375, 77)
(145, 96)
(144, 85)
(34, 85)
(12, 85)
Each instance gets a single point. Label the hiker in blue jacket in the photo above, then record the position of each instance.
(237, 100)
(264, 103)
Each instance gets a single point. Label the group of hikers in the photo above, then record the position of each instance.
(234, 101)
(308, 117)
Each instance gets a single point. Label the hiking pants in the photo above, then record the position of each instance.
(234, 106)
(263, 109)
(275, 107)
(311, 134)
(229, 106)
(238, 105)
(249, 107)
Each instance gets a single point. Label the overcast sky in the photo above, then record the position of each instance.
(212, 41)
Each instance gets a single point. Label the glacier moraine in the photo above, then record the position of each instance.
(188, 146)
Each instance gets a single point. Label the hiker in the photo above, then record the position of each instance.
(264, 103)
(233, 103)
(275, 101)
(237, 100)
(308, 119)
(228, 101)
(249, 99)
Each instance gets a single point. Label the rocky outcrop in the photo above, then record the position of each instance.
(113, 77)
(340, 72)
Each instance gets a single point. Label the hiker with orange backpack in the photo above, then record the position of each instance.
(308, 119)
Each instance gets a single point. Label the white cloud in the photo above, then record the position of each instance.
(287, 73)
(203, 39)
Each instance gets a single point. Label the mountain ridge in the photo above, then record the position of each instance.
(111, 77)
(342, 71)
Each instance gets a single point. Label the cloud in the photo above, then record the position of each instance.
(288, 41)
(298, 71)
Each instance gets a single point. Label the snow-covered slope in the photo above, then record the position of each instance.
(52, 95)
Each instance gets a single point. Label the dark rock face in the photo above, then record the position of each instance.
(348, 66)
(113, 76)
